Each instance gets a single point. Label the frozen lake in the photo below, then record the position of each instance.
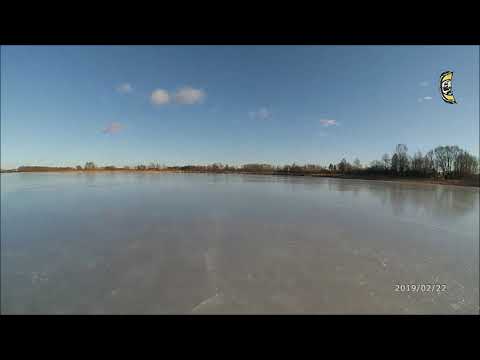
(156, 243)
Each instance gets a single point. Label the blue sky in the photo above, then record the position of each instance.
(124, 105)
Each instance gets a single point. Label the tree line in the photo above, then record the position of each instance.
(448, 162)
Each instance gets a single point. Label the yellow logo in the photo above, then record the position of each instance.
(446, 87)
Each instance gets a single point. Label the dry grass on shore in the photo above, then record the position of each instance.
(471, 181)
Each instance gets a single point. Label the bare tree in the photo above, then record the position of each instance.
(429, 164)
(386, 161)
(445, 158)
(395, 164)
(90, 165)
(343, 166)
(357, 164)
(465, 164)
(402, 158)
(377, 166)
(417, 163)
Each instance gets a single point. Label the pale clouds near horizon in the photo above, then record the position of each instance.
(262, 113)
(188, 95)
(328, 122)
(425, 98)
(160, 97)
(124, 88)
(112, 128)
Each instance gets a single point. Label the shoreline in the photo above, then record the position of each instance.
(472, 183)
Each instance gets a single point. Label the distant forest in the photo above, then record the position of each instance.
(443, 162)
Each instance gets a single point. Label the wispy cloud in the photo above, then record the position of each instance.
(160, 97)
(328, 122)
(423, 83)
(112, 128)
(188, 96)
(124, 88)
(261, 114)
(425, 98)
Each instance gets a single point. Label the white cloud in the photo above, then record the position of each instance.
(112, 128)
(188, 95)
(261, 114)
(423, 83)
(124, 88)
(425, 98)
(160, 97)
(328, 122)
